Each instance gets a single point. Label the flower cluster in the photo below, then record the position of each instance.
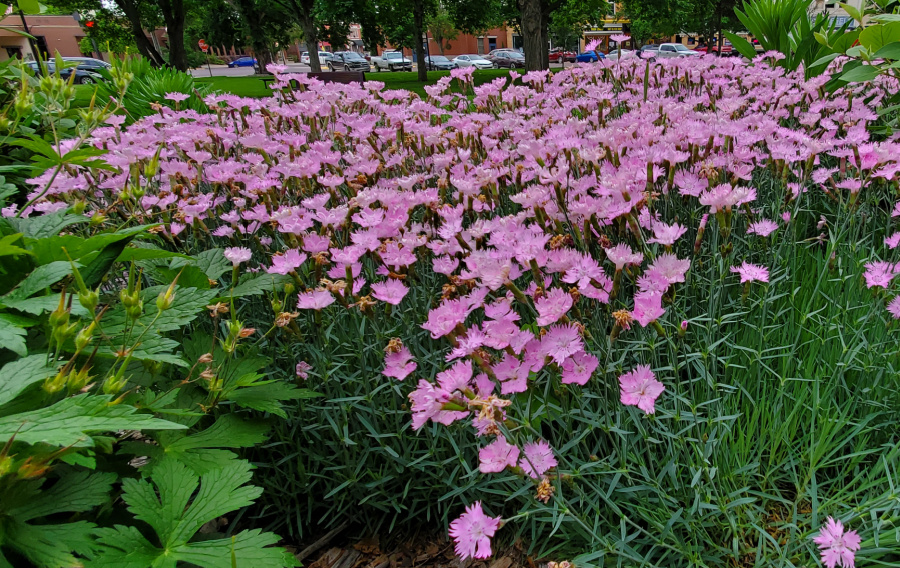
(542, 206)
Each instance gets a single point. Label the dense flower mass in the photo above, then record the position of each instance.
(535, 215)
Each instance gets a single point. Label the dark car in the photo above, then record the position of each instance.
(242, 62)
(348, 61)
(87, 63)
(82, 76)
(439, 63)
(509, 60)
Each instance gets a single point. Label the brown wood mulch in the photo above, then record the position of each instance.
(417, 551)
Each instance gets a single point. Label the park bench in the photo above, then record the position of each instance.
(342, 77)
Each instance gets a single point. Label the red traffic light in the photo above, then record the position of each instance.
(89, 24)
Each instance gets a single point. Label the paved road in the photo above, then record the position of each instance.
(224, 71)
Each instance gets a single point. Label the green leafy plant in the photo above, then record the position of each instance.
(785, 27)
(175, 503)
(88, 358)
(148, 86)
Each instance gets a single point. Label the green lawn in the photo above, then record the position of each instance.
(253, 86)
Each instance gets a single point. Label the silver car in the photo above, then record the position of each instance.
(676, 50)
(476, 61)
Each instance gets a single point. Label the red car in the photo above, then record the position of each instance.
(727, 49)
(558, 55)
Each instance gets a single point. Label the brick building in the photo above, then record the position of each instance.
(53, 33)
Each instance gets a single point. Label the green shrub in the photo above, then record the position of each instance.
(148, 86)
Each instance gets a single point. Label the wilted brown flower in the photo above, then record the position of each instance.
(217, 308)
(545, 491)
(285, 318)
(623, 318)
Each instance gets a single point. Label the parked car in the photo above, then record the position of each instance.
(494, 52)
(348, 61)
(324, 57)
(626, 54)
(668, 50)
(589, 57)
(558, 55)
(508, 60)
(439, 63)
(476, 61)
(82, 76)
(392, 61)
(242, 62)
(653, 48)
(88, 63)
(727, 49)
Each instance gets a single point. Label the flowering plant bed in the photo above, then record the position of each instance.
(640, 311)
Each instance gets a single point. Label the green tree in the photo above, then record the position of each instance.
(442, 29)
(264, 24)
(304, 13)
(216, 22)
(141, 15)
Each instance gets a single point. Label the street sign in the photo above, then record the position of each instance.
(205, 48)
(202, 43)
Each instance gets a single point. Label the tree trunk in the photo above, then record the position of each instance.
(419, 47)
(721, 37)
(545, 34)
(545, 43)
(531, 34)
(145, 47)
(311, 37)
(173, 14)
(258, 39)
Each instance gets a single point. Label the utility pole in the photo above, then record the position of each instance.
(31, 42)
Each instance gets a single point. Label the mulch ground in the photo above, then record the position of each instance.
(426, 550)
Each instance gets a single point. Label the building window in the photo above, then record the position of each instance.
(479, 43)
(13, 52)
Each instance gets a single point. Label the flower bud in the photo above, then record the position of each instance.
(6, 463)
(83, 339)
(277, 305)
(78, 207)
(289, 288)
(24, 103)
(114, 383)
(134, 312)
(55, 384)
(32, 470)
(77, 381)
(60, 316)
(89, 300)
(62, 333)
(97, 219)
(166, 298)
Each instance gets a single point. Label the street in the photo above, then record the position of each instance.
(224, 71)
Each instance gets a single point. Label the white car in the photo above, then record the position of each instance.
(324, 58)
(476, 61)
(626, 54)
(392, 61)
(676, 50)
